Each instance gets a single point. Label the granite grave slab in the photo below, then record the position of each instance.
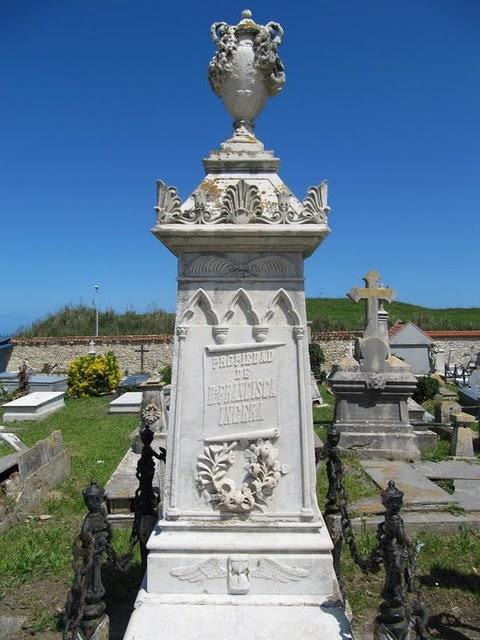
(419, 491)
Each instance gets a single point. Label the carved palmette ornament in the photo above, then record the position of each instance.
(263, 474)
(168, 203)
(242, 204)
(315, 207)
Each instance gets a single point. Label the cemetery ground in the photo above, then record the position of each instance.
(35, 556)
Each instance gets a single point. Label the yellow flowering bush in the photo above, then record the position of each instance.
(92, 375)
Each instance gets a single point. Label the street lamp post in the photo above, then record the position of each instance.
(96, 287)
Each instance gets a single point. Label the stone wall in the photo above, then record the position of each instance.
(61, 351)
(461, 346)
(335, 345)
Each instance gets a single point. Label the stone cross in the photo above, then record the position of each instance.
(372, 293)
(142, 351)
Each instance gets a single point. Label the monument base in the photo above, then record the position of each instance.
(224, 618)
(371, 412)
(240, 581)
(370, 445)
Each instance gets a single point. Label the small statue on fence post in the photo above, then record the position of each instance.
(85, 607)
(394, 619)
(145, 501)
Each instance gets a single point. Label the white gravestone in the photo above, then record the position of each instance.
(34, 406)
(242, 550)
(126, 403)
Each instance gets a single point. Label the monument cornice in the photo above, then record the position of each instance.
(303, 239)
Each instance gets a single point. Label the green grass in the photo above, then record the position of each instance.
(96, 441)
(440, 452)
(343, 314)
(447, 574)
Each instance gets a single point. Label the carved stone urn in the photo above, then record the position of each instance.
(246, 69)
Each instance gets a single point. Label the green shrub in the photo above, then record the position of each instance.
(166, 374)
(93, 375)
(427, 388)
(317, 358)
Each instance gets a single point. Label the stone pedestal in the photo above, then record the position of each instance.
(372, 387)
(371, 412)
(461, 444)
(242, 545)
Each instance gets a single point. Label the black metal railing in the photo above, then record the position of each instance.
(85, 606)
(401, 611)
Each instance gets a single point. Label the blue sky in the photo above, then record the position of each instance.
(99, 98)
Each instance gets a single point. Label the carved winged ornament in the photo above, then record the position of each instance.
(241, 204)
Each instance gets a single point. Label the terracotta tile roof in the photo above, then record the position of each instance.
(473, 333)
(396, 328)
(132, 339)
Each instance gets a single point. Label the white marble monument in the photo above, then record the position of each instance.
(242, 551)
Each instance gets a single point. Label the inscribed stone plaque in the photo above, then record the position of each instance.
(242, 384)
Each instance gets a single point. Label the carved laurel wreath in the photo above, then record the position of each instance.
(242, 204)
(264, 472)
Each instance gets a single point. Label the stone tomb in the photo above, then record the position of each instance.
(372, 387)
(126, 403)
(34, 406)
(242, 550)
(37, 382)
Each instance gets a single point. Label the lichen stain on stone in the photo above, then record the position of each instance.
(211, 189)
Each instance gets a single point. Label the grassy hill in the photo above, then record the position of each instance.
(80, 321)
(342, 313)
(327, 314)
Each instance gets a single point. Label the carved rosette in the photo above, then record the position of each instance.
(241, 204)
(263, 474)
(151, 413)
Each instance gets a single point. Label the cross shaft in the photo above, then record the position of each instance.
(372, 293)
